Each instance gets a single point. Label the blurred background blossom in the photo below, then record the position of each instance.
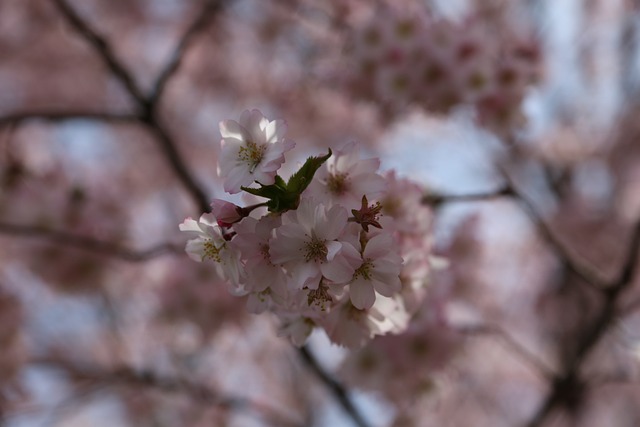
(516, 122)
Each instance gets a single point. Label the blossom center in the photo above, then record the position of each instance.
(252, 154)
(315, 250)
(264, 251)
(364, 270)
(337, 183)
(319, 297)
(211, 251)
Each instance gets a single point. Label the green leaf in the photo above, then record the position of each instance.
(286, 196)
(300, 180)
(280, 182)
(267, 191)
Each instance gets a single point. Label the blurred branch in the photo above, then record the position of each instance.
(88, 243)
(204, 394)
(568, 385)
(580, 269)
(60, 116)
(436, 199)
(169, 148)
(101, 46)
(619, 380)
(146, 104)
(530, 358)
(209, 10)
(630, 307)
(337, 389)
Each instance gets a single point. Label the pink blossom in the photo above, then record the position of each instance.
(345, 178)
(307, 245)
(225, 212)
(252, 150)
(210, 244)
(252, 240)
(379, 272)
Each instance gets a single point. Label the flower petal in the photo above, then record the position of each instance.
(362, 294)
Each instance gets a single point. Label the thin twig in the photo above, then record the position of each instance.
(169, 148)
(209, 10)
(88, 243)
(101, 46)
(149, 379)
(336, 388)
(437, 199)
(568, 385)
(546, 371)
(147, 108)
(580, 269)
(60, 116)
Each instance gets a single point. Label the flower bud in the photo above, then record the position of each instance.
(226, 213)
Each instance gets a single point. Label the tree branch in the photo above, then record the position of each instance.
(580, 269)
(169, 148)
(337, 389)
(437, 199)
(144, 378)
(88, 243)
(209, 10)
(568, 385)
(530, 358)
(147, 108)
(60, 116)
(101, 46)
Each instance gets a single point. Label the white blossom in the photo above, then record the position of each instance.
(252, 150)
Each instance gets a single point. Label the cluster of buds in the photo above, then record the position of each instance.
(402, 57)
(337, 245)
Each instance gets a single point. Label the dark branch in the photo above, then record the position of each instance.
(60, 116)
(579, 269)
(509, 341)
(170, 151)
(88, 243)
(146, 116)
(436, 199)
(209, 10)
(169, 148)
(337, 389)
(564, 387)
(102, 48)
(143, 378)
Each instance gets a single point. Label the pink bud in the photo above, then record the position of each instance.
(226, 213)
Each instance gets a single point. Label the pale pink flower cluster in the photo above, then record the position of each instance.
(349, 256)
(401, 57)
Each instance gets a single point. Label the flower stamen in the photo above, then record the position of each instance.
(252, 154)
(315, 250)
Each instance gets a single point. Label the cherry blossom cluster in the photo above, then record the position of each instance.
(338, 245)
(401, 56)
